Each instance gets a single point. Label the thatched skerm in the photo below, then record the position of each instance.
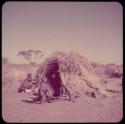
(71, 70)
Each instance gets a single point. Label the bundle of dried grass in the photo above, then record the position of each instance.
(76, 73)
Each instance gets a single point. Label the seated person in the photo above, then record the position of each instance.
(26, 84)
(37, 97)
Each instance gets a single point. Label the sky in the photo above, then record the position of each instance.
(93, 29)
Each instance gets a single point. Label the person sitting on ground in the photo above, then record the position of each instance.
(38, 96)
(26, 84)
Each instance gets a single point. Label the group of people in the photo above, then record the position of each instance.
(39, 94)
(31, 85)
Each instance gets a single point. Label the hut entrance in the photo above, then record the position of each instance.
(53, 77)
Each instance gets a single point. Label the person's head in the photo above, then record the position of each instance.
(37, 78)
(29, 75)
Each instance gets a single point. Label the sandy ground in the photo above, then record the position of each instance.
(85, 109)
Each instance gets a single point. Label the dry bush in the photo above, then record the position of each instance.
(109, 70)
(113, 71)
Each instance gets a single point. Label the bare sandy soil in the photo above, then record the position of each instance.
(85, 109)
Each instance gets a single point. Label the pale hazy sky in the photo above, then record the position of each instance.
(94, 29)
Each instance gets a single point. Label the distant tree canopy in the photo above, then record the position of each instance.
(5, 60)
(31, 55)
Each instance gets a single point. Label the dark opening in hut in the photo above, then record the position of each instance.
(53, 77)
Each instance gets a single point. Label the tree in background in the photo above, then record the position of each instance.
(31, 55)
(5, 60)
